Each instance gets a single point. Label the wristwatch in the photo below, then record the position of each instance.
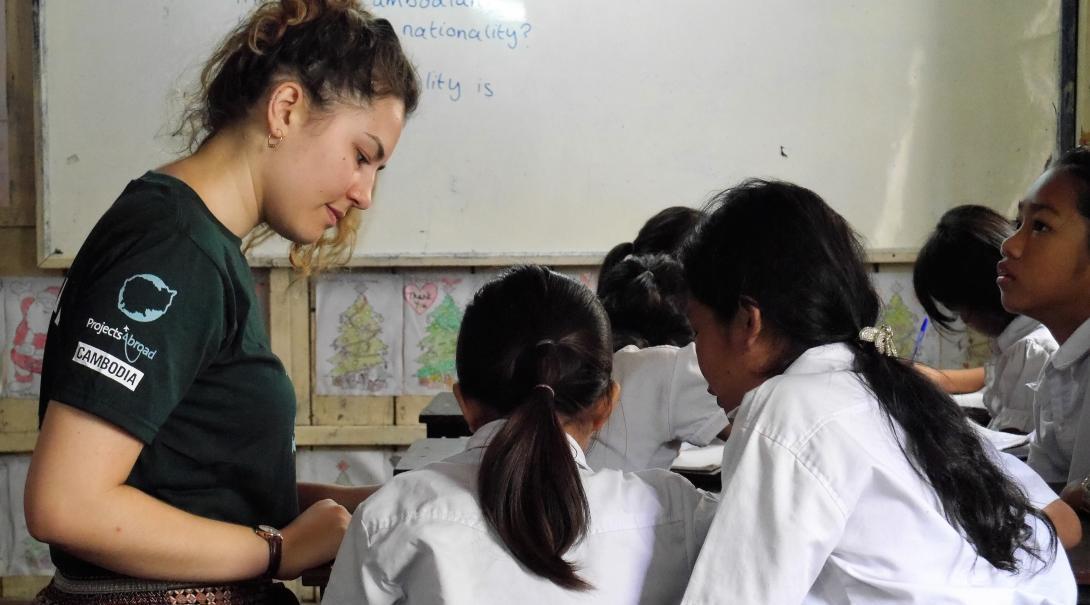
(276, 542)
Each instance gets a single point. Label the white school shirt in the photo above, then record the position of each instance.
(1060, 447)
(664, 401)
(820, 506)
(422, 538)
(1020, 353)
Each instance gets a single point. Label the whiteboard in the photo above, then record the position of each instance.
(551, 129)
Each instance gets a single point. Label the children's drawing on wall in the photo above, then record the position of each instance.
(434, 304)
(28, 305)
(359, 332)
(902, 312)
(20, 554)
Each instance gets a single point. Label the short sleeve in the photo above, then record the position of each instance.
(695, 415)
(133, 331)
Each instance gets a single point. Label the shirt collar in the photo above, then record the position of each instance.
(1019, 328)
(483, 436)
(1074, 348)
(835, 357)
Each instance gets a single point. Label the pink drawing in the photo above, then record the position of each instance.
(29, 343)
(450, 282)
(421, 299)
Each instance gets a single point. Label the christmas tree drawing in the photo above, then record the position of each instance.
(360, 358)
(437, 360)
(904, 322)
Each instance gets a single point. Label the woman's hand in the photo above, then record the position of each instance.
(312, 538)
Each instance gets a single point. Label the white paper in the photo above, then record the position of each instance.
(707, 458)
(1001, 440)
(350, 467)
(358, 345)
(20, 554)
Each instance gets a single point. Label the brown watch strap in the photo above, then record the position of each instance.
(275, 541)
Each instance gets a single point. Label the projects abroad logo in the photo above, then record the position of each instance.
(144, 297)
(134, 349)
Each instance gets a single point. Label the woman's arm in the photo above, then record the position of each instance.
(347, 496)
(969, 380)
(76, 498)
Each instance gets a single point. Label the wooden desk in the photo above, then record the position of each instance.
(443, 417)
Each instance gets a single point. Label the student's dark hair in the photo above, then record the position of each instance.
(956, 266)
(534, 349)
(781, 248)
(663, 233)
(645, 298)
(1076, 162)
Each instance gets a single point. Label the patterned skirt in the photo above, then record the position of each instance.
(125, 591)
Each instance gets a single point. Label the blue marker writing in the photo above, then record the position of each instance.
(919, 338)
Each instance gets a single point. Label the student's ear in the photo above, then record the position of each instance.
(751, 323)
(286, 108)
(470, 409)
(604, 408)
(474, 413)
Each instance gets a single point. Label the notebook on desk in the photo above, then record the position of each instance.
(705, 459)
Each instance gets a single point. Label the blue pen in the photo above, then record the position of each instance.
(919, 338)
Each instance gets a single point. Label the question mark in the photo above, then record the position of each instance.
(526, 30)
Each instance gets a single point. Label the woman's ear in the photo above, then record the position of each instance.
(286, 108)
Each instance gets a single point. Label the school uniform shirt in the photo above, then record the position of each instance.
(1060, 447)
(820, 505)
(422, 538)
(1020, 353)
(159, 332)
(664, 401)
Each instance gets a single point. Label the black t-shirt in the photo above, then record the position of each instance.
(159, 331)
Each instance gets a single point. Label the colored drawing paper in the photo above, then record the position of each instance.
(28, 305)
(434, 305)
(904, 314)
(588, 276)
(348, 467)
(359, 334)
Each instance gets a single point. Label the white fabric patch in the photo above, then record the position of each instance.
(108, 365)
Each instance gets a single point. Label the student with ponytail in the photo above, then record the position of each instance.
(848, 477)
(164, 470)
(519, 517)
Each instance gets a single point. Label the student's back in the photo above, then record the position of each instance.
(422, 538)
(664, 398)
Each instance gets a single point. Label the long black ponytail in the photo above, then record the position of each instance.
(782, 247)
(534, 348)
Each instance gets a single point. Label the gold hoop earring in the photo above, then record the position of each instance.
(274, 144)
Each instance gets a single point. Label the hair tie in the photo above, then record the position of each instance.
(882, 337)
(548, 388)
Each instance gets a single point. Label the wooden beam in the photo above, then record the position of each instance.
(357, 435)
(289, 333)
